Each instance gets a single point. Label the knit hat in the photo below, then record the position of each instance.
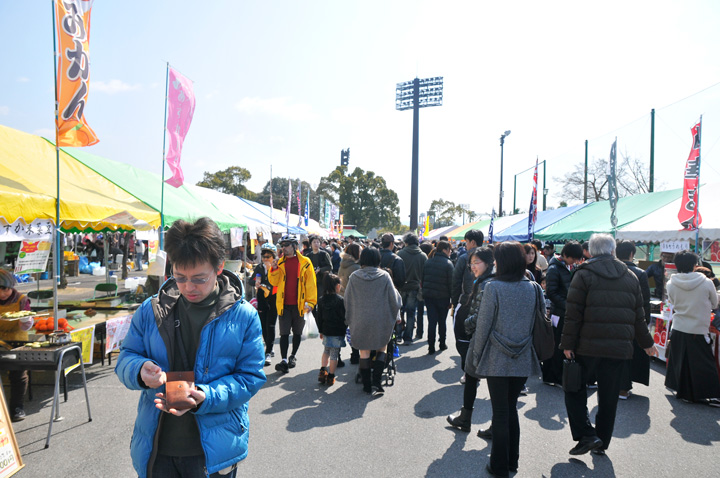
(7, 279)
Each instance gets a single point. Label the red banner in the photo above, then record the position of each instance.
(72, 21)
(689, 215)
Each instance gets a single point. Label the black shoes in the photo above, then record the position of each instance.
(443, 346)
(292, 361)
(341, 364)
(487, 433)
(599, 452)
(462, 421)
(18, 415)
(431, 350)
(586, 444)
(282, 367)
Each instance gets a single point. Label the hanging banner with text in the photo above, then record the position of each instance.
(86, 337)
(117, 328)
(33, 257)
(39, 230)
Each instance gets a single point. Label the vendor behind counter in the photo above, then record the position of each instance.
(13, 301)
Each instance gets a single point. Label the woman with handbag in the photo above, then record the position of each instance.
(481, 265)
(502, 350)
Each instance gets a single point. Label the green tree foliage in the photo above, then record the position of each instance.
(447, 212)
(229, 181)
(279, 195)
(363, 197)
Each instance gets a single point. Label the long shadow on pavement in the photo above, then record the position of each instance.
(696, 423)
(602, 468)
(458, 462)
(549, 411)
(318, 405)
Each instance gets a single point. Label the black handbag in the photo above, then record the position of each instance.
(543, 335)
(572, 376)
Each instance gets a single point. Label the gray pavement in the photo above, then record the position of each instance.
(300, 428)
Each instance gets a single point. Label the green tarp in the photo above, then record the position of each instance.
(354, 233)
(179, 203)
(595, 217)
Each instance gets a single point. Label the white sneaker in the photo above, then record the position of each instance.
(268, 361)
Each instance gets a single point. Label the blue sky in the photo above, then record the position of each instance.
(290, 84)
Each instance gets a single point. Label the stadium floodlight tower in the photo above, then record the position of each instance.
(416, 94)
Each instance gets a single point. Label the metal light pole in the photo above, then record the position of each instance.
(416, 94)
(502, 143)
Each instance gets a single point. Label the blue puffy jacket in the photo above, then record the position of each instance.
(228, 368)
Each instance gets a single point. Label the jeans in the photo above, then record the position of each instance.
(437, 310)
(409, 307)
(609, 375)
(184, 467)
(504, 393)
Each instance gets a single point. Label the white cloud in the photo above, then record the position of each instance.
(23, 79)
(113, 86)
(4, 110)
(281, 107)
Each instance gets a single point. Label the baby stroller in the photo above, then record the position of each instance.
(390, 367)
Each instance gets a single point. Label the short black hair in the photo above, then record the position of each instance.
(189, 244)
(537, 243)
(411, 239)
(444, 238)
(370, 257)
(572, 249)
(475, 235)
(685, 261)
(625, 249)
(426, 247)
(510, 261)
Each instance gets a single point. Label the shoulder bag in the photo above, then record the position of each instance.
(543, 335)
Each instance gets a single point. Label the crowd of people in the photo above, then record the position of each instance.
(372, 296)
(596, 297)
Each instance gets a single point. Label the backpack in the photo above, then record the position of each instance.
(389, 269)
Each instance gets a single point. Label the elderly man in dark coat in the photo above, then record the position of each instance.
(604, 314)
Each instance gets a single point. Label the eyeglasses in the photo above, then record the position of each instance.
(194, 280)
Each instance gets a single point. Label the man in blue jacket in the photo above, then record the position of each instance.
(199, 323)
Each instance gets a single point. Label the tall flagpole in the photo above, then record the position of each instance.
(698, 249)
(161, 234)
(56, 262)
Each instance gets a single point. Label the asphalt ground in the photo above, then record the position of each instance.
(301, 428)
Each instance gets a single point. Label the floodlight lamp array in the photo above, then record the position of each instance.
(430, 93)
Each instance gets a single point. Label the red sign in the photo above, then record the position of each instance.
(689, 215)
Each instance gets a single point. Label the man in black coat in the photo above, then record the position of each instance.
(604, 313)
(557, 283)
(463, 279)
(437, 287)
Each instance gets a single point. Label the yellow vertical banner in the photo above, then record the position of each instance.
(85, 336)
(72, 23)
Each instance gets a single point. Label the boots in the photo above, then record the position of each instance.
(364, 369)
(322, 375)
(330, 380)
(461, 421)
(378, 368)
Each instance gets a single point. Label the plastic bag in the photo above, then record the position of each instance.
(310, 331)
(84, 265)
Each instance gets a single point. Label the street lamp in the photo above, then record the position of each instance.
(417, 94)
(502, 143)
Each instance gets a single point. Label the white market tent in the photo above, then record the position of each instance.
(662, 225)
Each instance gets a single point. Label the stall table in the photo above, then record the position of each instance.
(55, 357)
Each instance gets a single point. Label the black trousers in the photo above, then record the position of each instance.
(504, 393)
(268, 319)
(437, 311)
(609, 375)
(552, 368)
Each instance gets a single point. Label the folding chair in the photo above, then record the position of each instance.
(109, 288)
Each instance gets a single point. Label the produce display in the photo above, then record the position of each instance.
(48, 324)
(17, 315)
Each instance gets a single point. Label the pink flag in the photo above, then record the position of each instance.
(181, 106)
